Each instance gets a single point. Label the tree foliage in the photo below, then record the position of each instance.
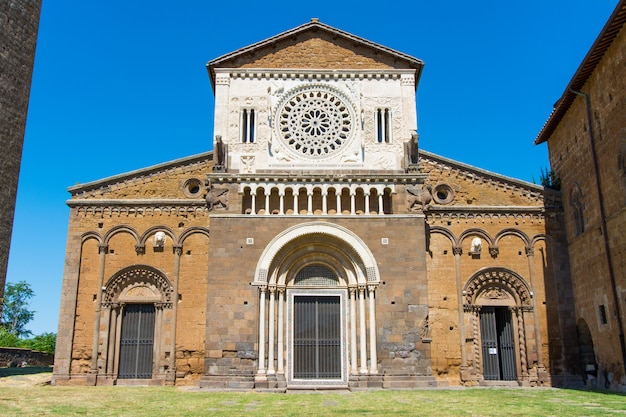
(15, 312)
(44, 342)
(550, 180)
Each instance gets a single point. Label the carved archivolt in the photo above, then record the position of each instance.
(497, 284)
(138, 284)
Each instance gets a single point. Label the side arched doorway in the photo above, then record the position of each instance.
(135, 304)
(587, 353)
(498, 302)
(317, 326)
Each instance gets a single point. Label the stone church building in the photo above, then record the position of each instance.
(317, 246)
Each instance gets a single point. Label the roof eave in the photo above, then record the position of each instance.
(592, 59)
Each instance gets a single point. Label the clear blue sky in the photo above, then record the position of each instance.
(121, 85)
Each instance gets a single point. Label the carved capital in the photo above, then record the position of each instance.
(140, 249)
(530, 251)
(457, 250)
(494, 251)
(178, 250)
(102, 248)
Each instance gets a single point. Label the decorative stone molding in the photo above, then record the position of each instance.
(497, 279)
(191, 165)
(138, 282)
(134, 208)
(140, 249)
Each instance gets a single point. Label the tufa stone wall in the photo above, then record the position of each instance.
(571, 158)
(19, 22)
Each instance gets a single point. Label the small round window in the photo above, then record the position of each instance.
(192, 187)
(443, 194)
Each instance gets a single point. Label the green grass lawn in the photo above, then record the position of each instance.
(172, 401)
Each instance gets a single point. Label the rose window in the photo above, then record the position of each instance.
(315, 122)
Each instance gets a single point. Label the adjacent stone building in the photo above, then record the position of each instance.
(19, 22)
(317, 246)
(586, 137)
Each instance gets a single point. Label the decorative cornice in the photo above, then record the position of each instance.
(154, 207)
(146, 175)
(316, 75)
(481, 214)
(317, 177)
(474, 174)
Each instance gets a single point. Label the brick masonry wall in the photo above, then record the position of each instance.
(19, 22)
(571, 159)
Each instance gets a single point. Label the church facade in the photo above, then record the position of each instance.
(316, 246)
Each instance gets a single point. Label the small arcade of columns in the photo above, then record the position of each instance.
(309, 198)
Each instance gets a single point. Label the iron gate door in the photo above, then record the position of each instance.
(137, 342)
(498, 345)
(317, 337)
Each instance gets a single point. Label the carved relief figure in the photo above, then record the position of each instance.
(247, 163)
(216, 197)
(418, 197)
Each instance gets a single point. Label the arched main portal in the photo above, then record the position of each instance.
(314, 281)
(133, 305)
(499, 302)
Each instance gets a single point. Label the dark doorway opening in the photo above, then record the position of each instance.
(137, 341)
(498, 345)
(317, 337)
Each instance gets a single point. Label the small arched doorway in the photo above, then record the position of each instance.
(499, 301)
(133, 306)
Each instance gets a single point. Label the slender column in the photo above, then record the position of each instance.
(270, 344)
(381, 210)
(281, 196)
(262, 329)
(309, 202)
(478, 366)
(112, 340)
(353, 357)
(253, 202)
(372, 313)
(352, 203)
(367, 203)
(118, 337)
(178, 251)
(267, 200)
(102, 251)
(530, 255)
(106, 340)
(156, 348)
(324, 202)
(362, 335)
(338, 198)
(521, 335)
(281, 330)
(295, 201)
(457, 251)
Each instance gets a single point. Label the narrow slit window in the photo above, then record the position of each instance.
(603, 317)
(248, 117)
(383, 125)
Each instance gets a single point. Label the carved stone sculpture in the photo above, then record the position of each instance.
(418, 197)
(220, 152)
(411, 153)
(477, 245)
(216, 197)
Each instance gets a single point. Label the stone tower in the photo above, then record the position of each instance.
(19, 21)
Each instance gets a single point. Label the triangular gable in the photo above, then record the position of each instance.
(317, 46)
